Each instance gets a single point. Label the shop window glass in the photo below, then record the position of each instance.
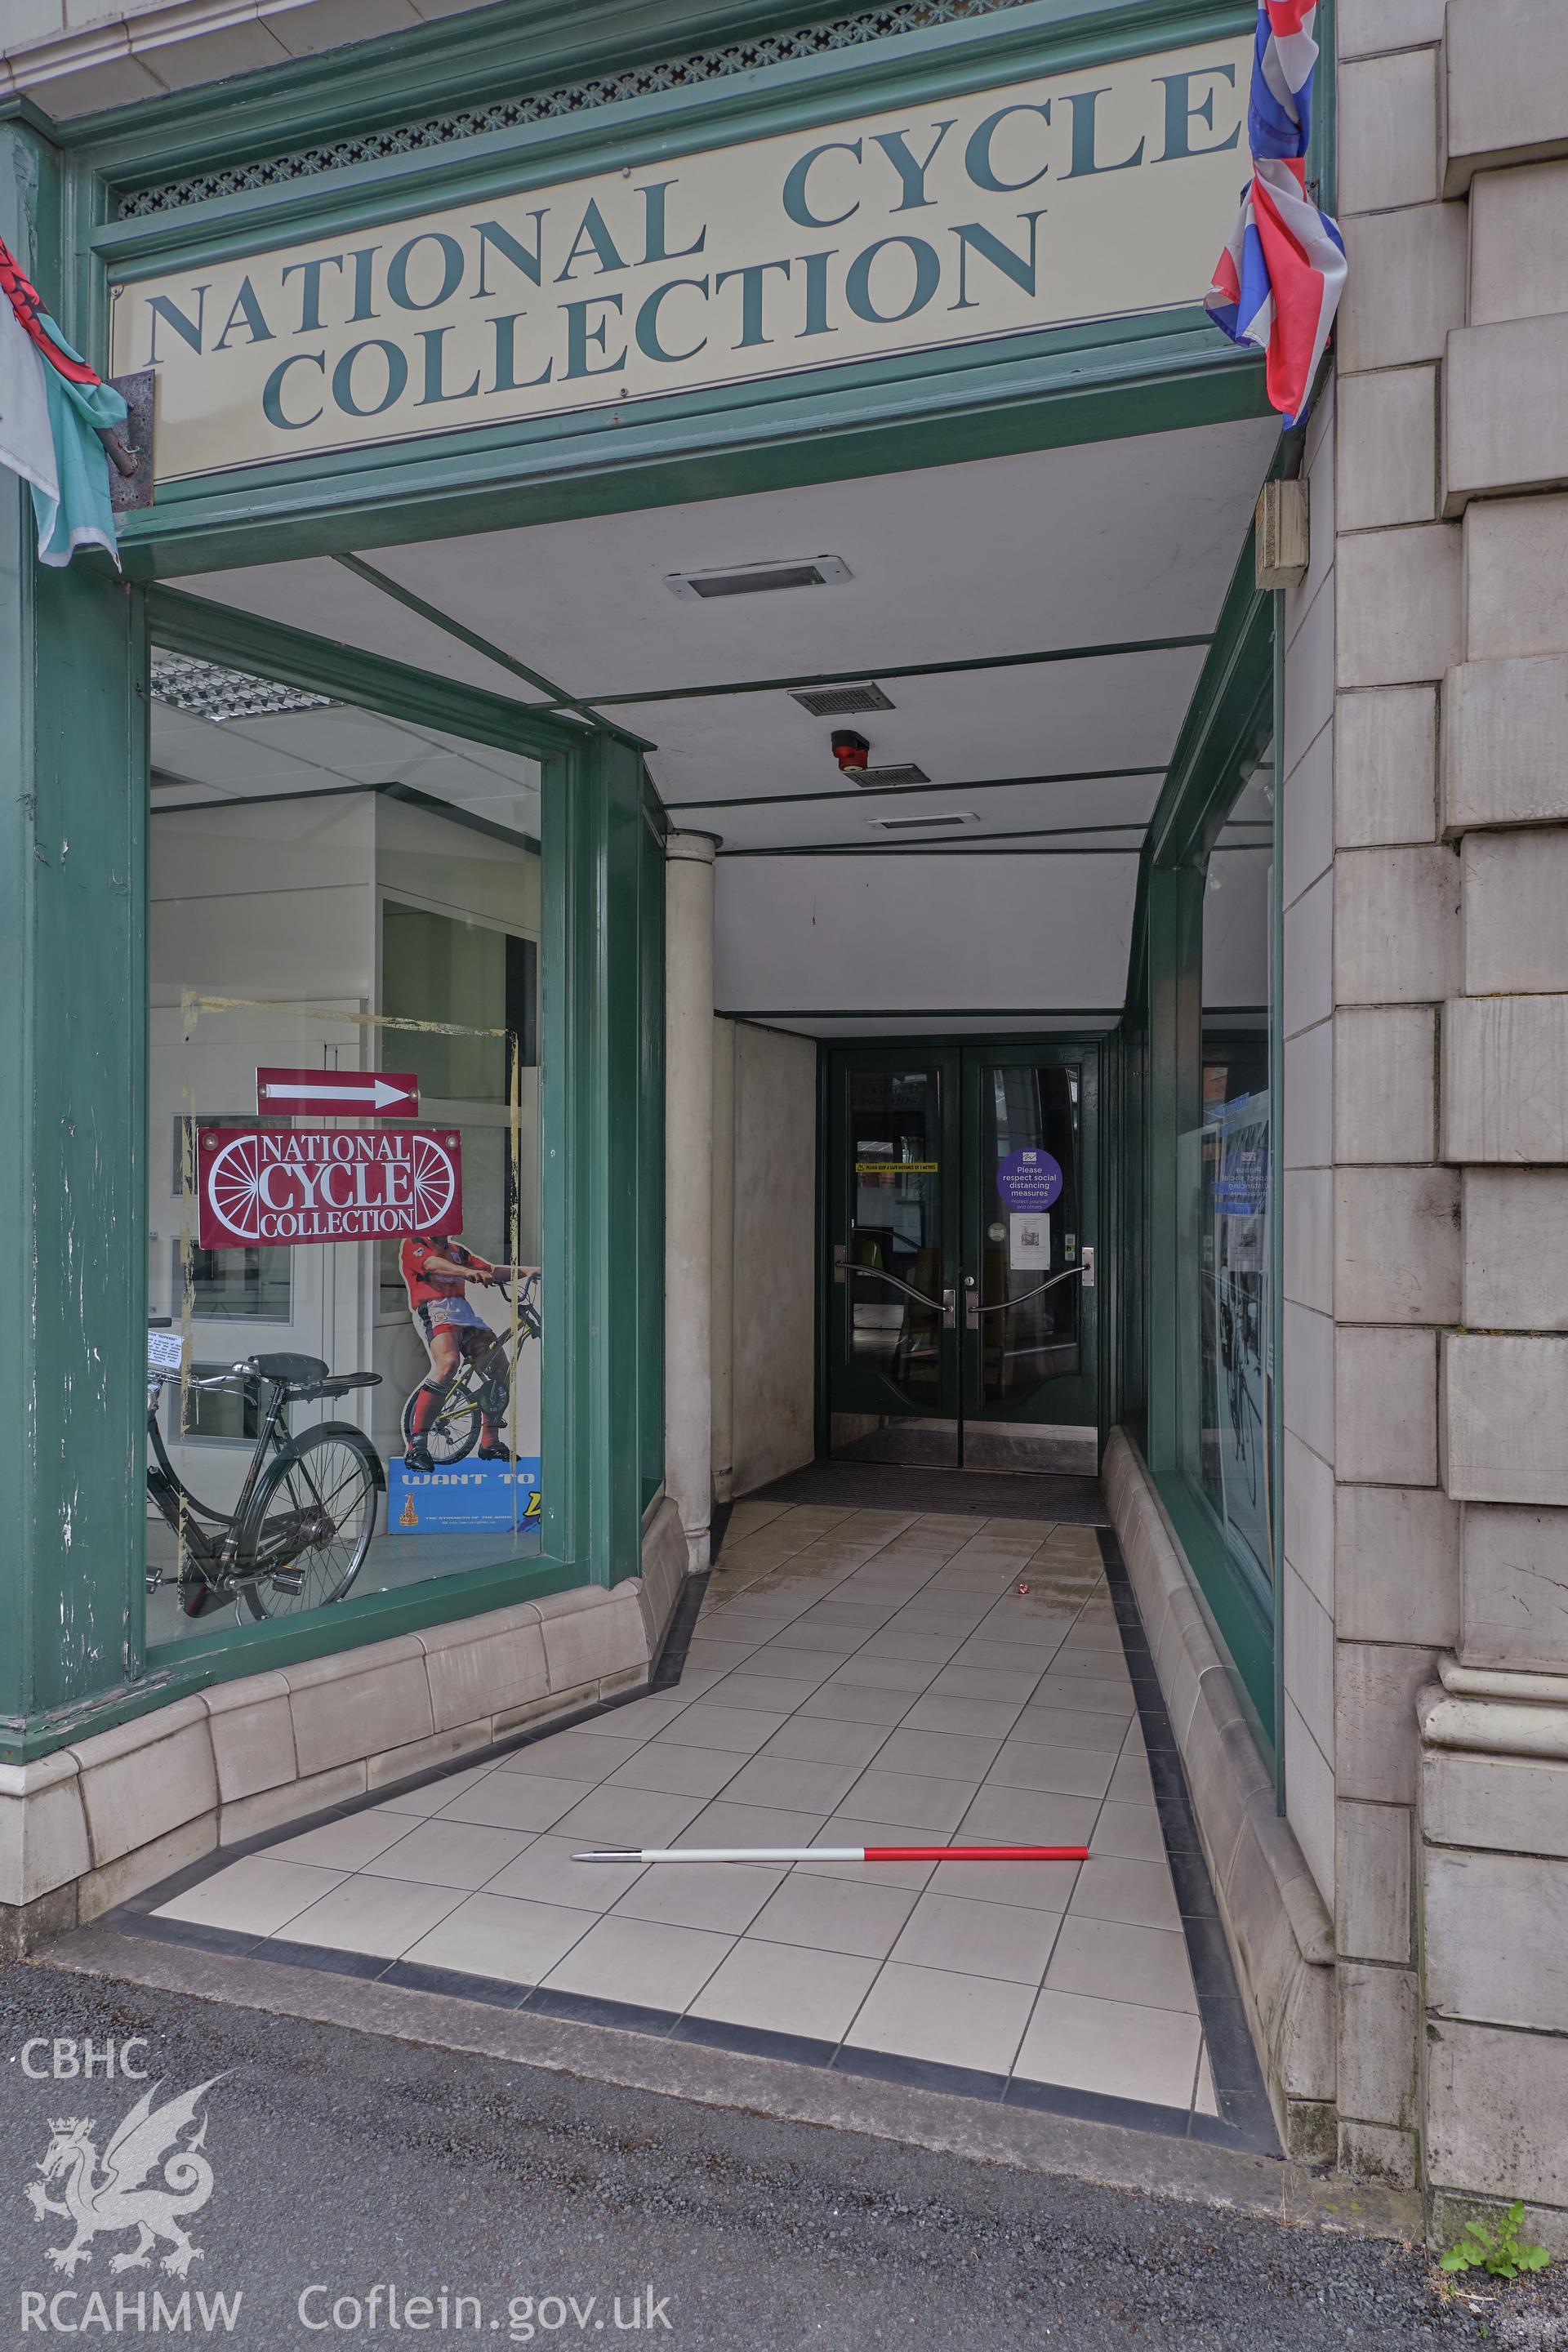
(1228, 1315)
(341, 905)
(233, 1286)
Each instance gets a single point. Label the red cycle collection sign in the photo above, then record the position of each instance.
(275, 1186)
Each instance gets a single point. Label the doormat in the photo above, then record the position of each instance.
(968, 1494)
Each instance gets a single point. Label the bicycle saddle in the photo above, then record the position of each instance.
(288, 1371)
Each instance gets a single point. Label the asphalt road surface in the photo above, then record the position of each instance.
(563, 2211)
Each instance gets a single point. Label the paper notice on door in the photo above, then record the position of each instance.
(1028, 1240)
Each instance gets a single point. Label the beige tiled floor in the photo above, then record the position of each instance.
(855, 1677)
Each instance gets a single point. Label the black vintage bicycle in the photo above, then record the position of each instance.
(480, 1388)
(298, 1533)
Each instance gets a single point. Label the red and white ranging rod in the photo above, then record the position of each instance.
(838, 1853)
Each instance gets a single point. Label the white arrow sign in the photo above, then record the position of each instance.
(373, 1093)
(379, 1095)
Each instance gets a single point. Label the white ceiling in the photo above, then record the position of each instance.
(1100, 544)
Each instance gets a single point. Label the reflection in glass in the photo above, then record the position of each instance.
(237, 1285)
(306, 921)
(467, 975)
(894, 1139)
(1226, 1176)
(1030, 1333)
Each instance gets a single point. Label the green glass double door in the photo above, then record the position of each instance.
(963, 1189)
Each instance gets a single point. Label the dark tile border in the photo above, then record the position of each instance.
(754, 2040)
(330, 1961)
(920, 2074)
(413, 1975)
(1101, 2108)
(587, 2009)
(671, 1663)
(1246, 2119)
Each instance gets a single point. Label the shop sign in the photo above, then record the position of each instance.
(266, 1185)
(349, 1094)
(1098, 194)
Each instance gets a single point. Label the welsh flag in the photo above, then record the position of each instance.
(54, 410)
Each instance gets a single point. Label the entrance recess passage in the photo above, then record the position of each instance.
(961, 1307)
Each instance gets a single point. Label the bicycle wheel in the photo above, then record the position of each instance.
(310, 1524)
(454, 1427)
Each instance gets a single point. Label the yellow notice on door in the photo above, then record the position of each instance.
(896, 1167)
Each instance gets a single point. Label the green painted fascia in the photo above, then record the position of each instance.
(1232, 713)
(1071, 387)
(467, 60)
(1221, 733)
(20, 108)
(245, 641)
(178, 1669)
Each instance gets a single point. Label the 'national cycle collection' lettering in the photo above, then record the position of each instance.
(989, 213)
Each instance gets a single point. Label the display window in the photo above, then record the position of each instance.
(345, 1300)
(1226, 1199)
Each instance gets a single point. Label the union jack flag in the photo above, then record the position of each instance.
(1278, 282)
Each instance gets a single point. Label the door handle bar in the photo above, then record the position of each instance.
(1002, 1305)
(943, 1305)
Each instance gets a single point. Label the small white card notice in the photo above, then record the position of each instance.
(1028, 1240)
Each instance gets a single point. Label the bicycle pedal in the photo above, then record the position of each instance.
(289, 1581)
(153, 1578)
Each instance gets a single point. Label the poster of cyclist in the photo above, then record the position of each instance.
(470, 1427)
(1238, 1257)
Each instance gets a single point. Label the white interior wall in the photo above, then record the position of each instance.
(271, 900)
(933, 931)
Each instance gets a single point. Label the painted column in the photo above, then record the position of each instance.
(72, 1094)
(689, 1185)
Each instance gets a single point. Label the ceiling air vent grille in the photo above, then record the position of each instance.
(757, 579)
(907, 774)
(924, 824)
(839, 701)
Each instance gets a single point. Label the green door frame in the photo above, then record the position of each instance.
(1229, 724)
(974, 1211)
(942, 1058)
(961, 1210)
